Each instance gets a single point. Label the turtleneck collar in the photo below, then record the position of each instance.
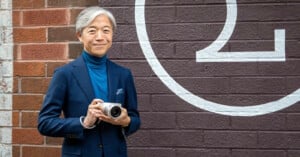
(98, 74)
(93, 60)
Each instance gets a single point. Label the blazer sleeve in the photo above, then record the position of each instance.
(132, 108)
(50, 122)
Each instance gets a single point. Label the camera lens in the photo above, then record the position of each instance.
(111, 109)
(115, 111)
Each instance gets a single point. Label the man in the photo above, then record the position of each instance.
(79, 90)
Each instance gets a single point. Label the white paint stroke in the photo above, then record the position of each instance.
(195, 100)
(212, 52)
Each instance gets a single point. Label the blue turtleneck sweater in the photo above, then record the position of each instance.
(98, 74)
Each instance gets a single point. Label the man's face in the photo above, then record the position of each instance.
(97, 36)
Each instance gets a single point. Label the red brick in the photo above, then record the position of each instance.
(29, 119)
(15, 85)
(54, 140)
(67, 3)
(73, 15)
(61, 34)
(29, 69)
(30, 151)
(26, 136)
(16, 18)
(16, 151)
(28, 4)
(27, 35)
(16, 118)
(46, 17)
(74, 50)
(34, 85)
(43, 52)
(27, 102)
(16, 51)
(51, 66)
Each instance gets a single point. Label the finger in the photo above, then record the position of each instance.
(106, 118)
(94, 106)
(96, 101)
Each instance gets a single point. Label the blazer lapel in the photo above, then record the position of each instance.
(112, 81)
(82, 76)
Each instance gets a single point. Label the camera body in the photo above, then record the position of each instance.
(112, 109)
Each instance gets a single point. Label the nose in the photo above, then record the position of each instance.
(99, 35)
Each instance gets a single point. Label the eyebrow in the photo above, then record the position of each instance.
(101, 27)
(92, 27)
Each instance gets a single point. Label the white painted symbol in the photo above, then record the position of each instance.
(198, 101)
(212, 54)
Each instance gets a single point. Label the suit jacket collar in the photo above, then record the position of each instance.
(81, 74)
(112, 80)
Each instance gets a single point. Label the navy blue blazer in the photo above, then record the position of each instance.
(70, 92)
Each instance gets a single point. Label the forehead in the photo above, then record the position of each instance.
(100, 21)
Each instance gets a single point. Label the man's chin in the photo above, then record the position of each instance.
(99, 53)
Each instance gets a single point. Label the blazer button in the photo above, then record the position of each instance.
(100, 145)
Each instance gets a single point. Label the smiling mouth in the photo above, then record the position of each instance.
(99, 45)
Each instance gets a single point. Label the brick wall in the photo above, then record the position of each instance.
(44, 38)
(6, 79)
(43, 35)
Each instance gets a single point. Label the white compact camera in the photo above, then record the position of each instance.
(111, 109)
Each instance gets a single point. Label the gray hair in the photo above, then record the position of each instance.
(87, 15)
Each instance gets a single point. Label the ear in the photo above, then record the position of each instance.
(78, 34)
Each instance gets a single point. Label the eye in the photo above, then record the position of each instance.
(106, 30)
(91, 31)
